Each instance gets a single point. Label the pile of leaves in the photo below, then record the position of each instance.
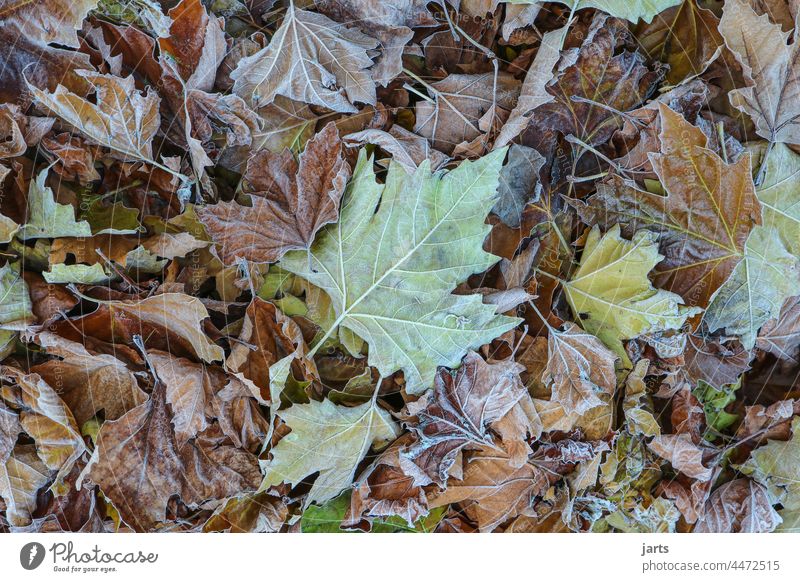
(398, 266)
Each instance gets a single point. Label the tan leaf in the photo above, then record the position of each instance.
(290, 202)
(740, 506)
(459, 104)
(122, 119)
(312, 59)
(770, 66)
(579, 367)
(457, 413)
(684, 455)
(46, 21)
(86, 382)
(21, 477)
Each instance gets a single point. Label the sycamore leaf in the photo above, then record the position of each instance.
(684, 455)
(81, 274)
(86, 382)
(457, 413)
(328, 439)
(686, 37)
(312, 59)
(632, 10)
(47, 21)
(21, 477)
(781, 337)
(15, 300)
(460, 105)
(775, 466)
(389, 272)
(122, 119)
(771, 98)
(756, 290)
(579, 367)
(139, 464)
(779, 192)
(48, 218)
(703, 221)
(739, 506)
(291, 201)
(611, 295)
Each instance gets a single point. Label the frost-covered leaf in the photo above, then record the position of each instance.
(389, 272)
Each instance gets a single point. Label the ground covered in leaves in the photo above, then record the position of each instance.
(393, 266)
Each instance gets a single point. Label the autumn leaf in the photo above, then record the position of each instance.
(632, 10)
(739, 506)
(770, 69)
(290, 201)
(757, 288)
(372, 262)
(773, 465)
(49, 21)
(457, 413)
(611, 295)
(703, 221)
(328, 439)
(312, 59)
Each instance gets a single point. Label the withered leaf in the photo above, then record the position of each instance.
(290, 201)
(739, 506)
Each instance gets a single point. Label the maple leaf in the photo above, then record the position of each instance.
(611, 294)
(756, 290)
(139, 464)
(389, 272)
(703, 221)
(770, 68)
(328, 439)
(686, 37)
(779, 192)
(579, 367)
(290, 202)
(457, 413)
(632, 10)
(683, 453)
(312, 59)
(48, 218)
(22, 474)
(47, 21)
(775, 466)
(739, 506)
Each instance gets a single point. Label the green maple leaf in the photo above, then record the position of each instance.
(632, 10)
(757, 288)
(48, 218)
(779, 193)
(611, 295)
(395, 255)
(328, 439)
(775, 466)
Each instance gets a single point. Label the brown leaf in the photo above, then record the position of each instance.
(460, 105)
(683, 454)
(139, 464)
(47, 21)
(86, 382)
(707, 359)
(406, 148)
(740, 506)
(703, 221)
(262, 512)
(457, 413)
(290, 202)
(781, 337)
(579, 368)
(268, 336)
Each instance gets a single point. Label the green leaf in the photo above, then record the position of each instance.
(328, 439)
(15, 301)
(632, 10)
(775, 466)
(81, 274)
(46, 217)
(714, 401)
(757, 288)
(398, 250)
(611, 295)
(779, 192)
